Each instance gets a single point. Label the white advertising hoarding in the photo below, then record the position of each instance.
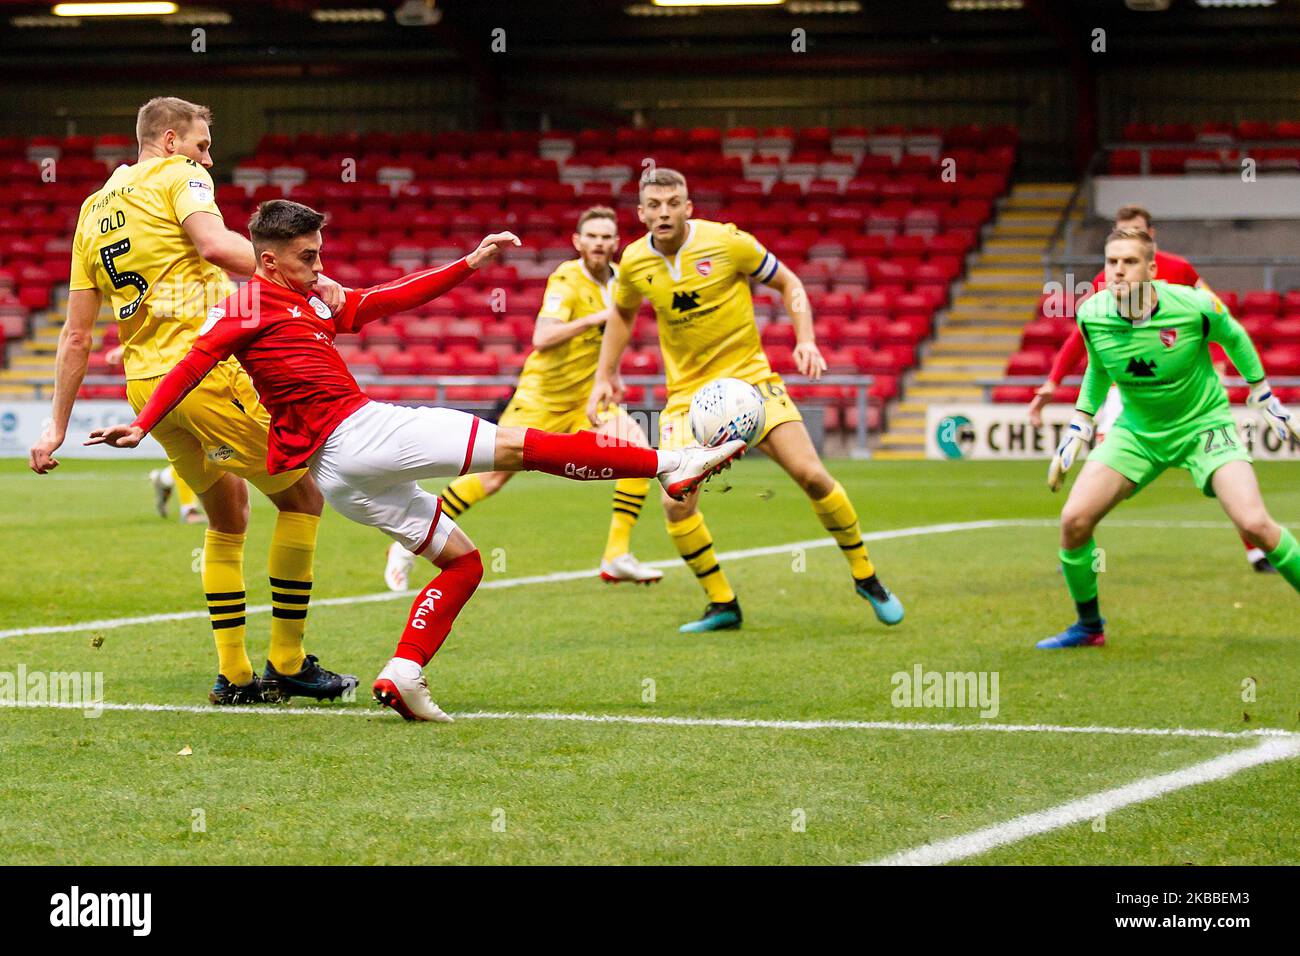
(1201, 197)
(21, 424)
(992, 432)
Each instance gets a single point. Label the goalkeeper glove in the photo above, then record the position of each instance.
(1277, 417)
(1077, 438)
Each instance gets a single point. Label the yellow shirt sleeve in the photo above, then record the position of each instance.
(191, 190)
(626, 295)
(751, 256)
(557, 302)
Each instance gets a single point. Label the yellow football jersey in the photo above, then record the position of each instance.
(130, 244)
(560, 378)
(701, 301)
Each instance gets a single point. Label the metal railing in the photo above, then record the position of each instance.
(42, 389)
(1033, 381)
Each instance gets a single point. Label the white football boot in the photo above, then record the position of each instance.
(161, 479)
(626, 567)
(398, 573)
(401, 686)
(698, 463)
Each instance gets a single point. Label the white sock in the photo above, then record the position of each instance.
(406, 668)
(166, 478)
(1254, 554)
(669, 461)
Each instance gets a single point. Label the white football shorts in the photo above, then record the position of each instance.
(368, 467)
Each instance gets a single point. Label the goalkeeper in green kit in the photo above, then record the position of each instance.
(1151, 340)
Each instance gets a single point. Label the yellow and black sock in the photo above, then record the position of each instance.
(837, 516)
(462, 494)
(223, 585)
(293, 550)
(629, 496)
(695, 545)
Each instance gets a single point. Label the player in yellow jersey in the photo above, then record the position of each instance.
(153, 242)
(552, 394)
(696, 275)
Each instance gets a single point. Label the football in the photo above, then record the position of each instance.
(727, 408)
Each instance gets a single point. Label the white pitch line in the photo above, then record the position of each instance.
(110, 623)
(739, 723)
(1087, 808)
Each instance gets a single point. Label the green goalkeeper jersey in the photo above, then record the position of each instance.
(1162, 364)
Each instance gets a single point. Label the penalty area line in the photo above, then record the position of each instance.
(555, 577)
(1020, 828)
(739, 723)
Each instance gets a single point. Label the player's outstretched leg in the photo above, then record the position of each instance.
(618, 563)
(1096, 491)
(1237, 489)
(691, 537)
(791, 447)
(401, 685)
(586, 456)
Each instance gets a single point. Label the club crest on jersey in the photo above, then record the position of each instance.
(322, 310)
(704, 267)
(1168, 337)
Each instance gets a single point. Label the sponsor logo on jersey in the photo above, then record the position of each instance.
(686, 301)
(295, 312)
(704, 267)
(1141, 368)
(1168, 337)
(215, 315)
(201, 191)
(319, 307)
(221, 453)
(553, 302)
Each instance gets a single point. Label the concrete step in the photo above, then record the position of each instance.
(890, 454)
(1017, 260)
(1027, 246)
(1027, 286)
(953, 345)
(895, 442)
(972, 363)
(32, 363)
(906, 424)
(943, 392)
(1022, 230)
(982, 273)
(942, 376)
(908, 407)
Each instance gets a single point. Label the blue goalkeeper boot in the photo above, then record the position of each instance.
(889, 609)
(717, 617)
(1076, 635)
(311, 681)
(226, 693)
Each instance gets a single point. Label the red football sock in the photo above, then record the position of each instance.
(436, 607)
(586, 456)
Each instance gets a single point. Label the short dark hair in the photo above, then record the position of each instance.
(279, 220)
(1125, 213)
(597, 212)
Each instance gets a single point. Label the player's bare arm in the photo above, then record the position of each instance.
(608, 387)
(550, 332)
(75, 343)
(807, 356)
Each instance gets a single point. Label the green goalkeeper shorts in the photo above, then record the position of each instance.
(1202, 451)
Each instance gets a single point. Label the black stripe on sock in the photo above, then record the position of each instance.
(290, 598)
(293, 585)
(850, 547)
(705, 574)
(631, 514)
(695, 554)
(627, 494)
(225, 608)
(847, 527)
(233, 622)
(630, 505)
(224, 595)
(292, 614)
(456, 499)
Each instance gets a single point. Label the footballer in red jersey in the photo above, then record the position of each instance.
(366, 456)
(1169, 267)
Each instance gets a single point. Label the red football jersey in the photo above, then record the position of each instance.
(285, 341)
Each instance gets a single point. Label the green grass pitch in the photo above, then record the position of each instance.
(1196, 641)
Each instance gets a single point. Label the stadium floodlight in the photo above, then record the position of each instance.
(418, 13)
(718, 3)
(114, 9)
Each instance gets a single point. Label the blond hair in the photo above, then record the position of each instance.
(661, 176)
(167, 112)
(596, 212)
(1140, 236)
